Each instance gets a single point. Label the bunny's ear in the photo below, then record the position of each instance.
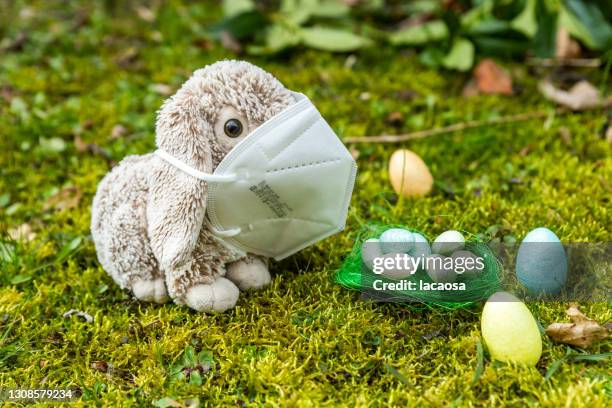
(177, 201)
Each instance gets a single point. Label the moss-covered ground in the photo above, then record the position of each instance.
(80, 86)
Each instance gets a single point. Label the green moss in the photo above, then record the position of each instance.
(304, 340)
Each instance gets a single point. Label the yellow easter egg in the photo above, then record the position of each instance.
(509, 330)
(409, 174)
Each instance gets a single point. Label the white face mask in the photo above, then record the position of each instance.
(284, 187)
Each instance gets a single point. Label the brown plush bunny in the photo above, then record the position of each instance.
(148, 217)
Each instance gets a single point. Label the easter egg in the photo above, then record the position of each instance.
(448, 242)
(402, 266)
(509, 330)
(370, 249)
(409, 174)
(396, 240)
(541, 262)
(438, 269)
(421, 246)
(467, 263)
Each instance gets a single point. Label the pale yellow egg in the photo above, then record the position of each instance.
(509, 330)
(409, 174)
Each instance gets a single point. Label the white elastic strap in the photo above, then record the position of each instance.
(222, 233)
(217, 178)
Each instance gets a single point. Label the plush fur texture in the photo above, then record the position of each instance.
(148, 216)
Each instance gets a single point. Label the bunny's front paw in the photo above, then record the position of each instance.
(248, 274)
(150, 290)
(219, 296)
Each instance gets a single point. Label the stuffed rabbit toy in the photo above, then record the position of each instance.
(148, 217)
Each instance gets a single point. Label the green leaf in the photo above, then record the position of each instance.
(68, 249)
(585, 21)
(235, 7)
(189, 357)
(51, 145)
(5, 200)
(545, 39)
(461, 55)
(166, 402)
(7, 252)
(195, 378)
(489, 26)
(278, 37)
(331, 9)
(332, 39)
(526, 22)
(430, 31)
(554, 367)
(479, 362)
(17, 279)
(499, 46)
(205, 357)
(241, 25)
(591, 357)
(431, 57)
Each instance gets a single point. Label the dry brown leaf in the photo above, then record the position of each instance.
(566, 47)
(491, 79)
(64, 199)
(162, 89)
(145, 13)
(395, 118)
(118, 131)
(22, 233)
(582, 332)
(581, 96)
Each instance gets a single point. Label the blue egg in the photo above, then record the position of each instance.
(421, 246)
(396, 240)
(541, 262)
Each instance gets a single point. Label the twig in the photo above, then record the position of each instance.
(565, 62)
(521, 117)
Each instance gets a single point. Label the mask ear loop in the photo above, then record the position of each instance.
(216, 178)
(213, 178)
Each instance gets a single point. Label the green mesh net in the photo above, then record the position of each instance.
(354, 275)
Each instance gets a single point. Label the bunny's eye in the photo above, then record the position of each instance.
(233, 128)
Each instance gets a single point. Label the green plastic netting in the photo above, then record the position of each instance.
(354, 275)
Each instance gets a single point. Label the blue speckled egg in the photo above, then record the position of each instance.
(396, 240)
(421, 246)
(541, 262)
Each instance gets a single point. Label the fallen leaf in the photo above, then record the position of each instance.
(101, 366)
(162, 89)
(470, 89)
(127, 57)
(22, 233)
(491, 79)
(78, 313)
(395, 119)
(566, 47)
(565, 135)
(64, 199)
(229, 42)
(581, 96)
(145, 13)
(582, 332)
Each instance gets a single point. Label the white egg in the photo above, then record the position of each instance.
(438, 269)
(370, 249)
(466, 263)
(396, 240)
(402, 265)
(448, 242)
